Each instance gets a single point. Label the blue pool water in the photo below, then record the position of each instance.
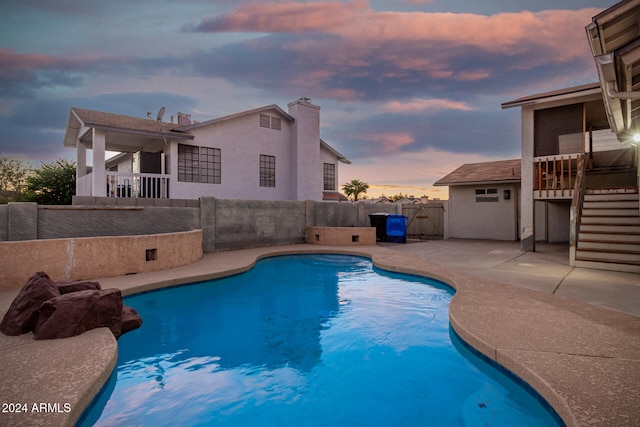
(306, 340)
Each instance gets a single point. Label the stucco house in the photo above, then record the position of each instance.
(262, 154)
(579, 174)
(483, 200)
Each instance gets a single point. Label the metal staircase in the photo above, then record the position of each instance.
(609, 230)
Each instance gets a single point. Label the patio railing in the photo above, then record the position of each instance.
(555, 176)
(143, 185)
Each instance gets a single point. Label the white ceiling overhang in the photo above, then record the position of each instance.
(614, 38)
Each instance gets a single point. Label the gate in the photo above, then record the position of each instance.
(425, 220)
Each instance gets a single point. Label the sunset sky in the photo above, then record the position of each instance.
(409, 89)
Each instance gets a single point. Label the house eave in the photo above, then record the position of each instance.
(487, 182)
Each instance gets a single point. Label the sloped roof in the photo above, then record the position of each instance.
(92, 118)
(80, 118)
(573, 91)
(272, 107)
(487, 172)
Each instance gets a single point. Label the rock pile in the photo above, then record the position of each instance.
(65, 309)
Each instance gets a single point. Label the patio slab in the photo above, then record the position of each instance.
(582, 358)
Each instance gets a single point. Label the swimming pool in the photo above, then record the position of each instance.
(306, 340)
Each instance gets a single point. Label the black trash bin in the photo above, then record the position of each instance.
(379, 221)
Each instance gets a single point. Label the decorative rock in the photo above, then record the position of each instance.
(130, 319)
(23, 312)
(66, 287)
(76, 312)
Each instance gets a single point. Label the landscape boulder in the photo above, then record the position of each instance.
(67, 308)
(65, 287)
(73, 313)
(130, 319)
(23, 312)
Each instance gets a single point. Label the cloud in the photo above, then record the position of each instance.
(286, 17)
(417, 105)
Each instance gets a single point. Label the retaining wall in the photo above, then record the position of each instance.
(90, 257)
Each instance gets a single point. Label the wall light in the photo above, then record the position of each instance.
(636, 137)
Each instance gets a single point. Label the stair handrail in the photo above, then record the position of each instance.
(576, 208)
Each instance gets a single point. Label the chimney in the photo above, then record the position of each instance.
(184, 119)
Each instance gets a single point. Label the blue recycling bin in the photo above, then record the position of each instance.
(397, 228)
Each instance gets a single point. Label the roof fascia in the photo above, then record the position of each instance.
(548, 99)
(335, 152)
(502, 181)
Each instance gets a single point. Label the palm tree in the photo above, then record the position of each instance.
(354, 188)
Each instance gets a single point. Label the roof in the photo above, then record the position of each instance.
(570, 92)
(272, 107)
(501, 171)
(334, 195)
(335, 152)
(80, 118)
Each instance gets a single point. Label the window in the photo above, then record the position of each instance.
(486, 195)
(267, 171)
(199, 164)
(329, 176)
(270, 122)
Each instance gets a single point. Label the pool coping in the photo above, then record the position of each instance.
(583, 359)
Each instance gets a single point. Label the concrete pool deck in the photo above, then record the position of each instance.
(530, 312)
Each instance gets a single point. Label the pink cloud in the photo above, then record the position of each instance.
(415, 105)
(287, 16)
(13, 64)
(558, 32)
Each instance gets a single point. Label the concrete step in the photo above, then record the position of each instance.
(610, 228)
(608, 237)
(629, 268)
(611, 219)
(611, 204)
(611, 197)
(610, 245)
(603, 255)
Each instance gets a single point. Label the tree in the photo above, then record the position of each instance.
(354, 188)
(53, 183)
(13, 178)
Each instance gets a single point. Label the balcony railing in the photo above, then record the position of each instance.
(555, 176)
(143, 185)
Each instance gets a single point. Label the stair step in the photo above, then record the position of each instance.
(607, 220)
(630, 268)
(612, 197)
(609, 245)
(590, 211)
(610, 228)
(608, 237)
(599, 255)
(611, 204)
(613, 190)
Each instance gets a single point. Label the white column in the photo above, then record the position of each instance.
(527, 217)
(99, 176)
(81, 165)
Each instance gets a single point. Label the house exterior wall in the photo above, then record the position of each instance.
(241, 141)
(601, 141)
(306, 167)
(552, 221)
(471, 219)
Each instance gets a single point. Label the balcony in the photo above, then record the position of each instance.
(129, 185)
(555, 176)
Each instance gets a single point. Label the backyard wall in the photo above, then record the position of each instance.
(91, 257)
(226, 224)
